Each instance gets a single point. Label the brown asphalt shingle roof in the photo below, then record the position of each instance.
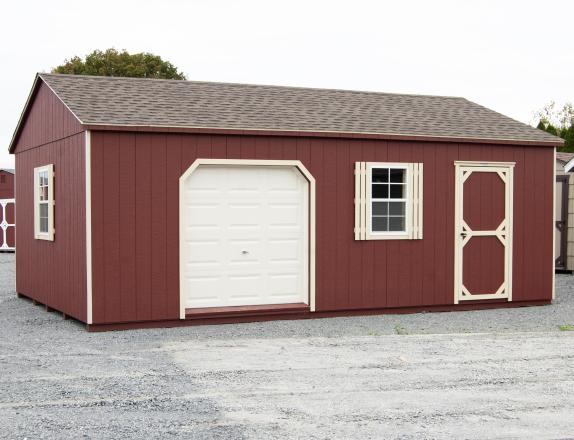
(171, 103)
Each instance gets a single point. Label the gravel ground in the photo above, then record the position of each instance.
(482, 374)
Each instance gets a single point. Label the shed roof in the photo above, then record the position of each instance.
(120, 101)
(564, 156)
(8, 170)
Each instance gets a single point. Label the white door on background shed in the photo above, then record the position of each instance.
(245, 240)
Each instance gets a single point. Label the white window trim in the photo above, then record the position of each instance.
(363, 201)
(37, 233)
(389, 235)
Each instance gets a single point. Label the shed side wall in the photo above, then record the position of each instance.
(135, 220)
(54, 272)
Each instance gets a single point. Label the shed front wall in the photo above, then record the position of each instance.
(135, 215)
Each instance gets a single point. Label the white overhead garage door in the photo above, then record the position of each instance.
(245, 236)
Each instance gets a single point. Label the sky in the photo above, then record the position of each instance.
(511, 56)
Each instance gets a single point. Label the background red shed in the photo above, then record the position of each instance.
(119, 266)
(6, 184)
(7, 210)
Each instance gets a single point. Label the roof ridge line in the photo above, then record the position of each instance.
(369, 92)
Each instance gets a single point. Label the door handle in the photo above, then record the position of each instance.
(244, 252)
(463, 234)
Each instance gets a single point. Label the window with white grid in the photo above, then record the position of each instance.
(388, 200)
(44, 202)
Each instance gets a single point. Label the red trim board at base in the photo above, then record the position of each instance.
(276, 315)
(218, 312)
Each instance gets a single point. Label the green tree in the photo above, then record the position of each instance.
(559, 122)
(112, 62)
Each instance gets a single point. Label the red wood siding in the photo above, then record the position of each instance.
(135, 220)
(47, 120)
(54, 273)
(6, 185)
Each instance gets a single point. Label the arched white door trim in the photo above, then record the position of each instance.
(248, 162)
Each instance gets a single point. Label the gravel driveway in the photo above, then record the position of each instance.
(482, 374)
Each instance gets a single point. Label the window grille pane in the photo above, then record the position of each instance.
(380, 175)
(397, 191)
(396, 224)
(44, 210)
(43, 193)
(397, 208)
(380, 191)
(380, 208)
(380, 224)
(397, 175)
(43, 224)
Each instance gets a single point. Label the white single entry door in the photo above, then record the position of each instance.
(483, 231)
(245, 236)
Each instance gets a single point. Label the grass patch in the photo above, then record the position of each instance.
(566, 328)
(373, 333)
(400, 330)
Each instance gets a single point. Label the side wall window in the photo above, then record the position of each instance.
(44, 202)
(388, 201)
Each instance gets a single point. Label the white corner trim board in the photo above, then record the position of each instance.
(281, 180)
(567, 169)
(88, 173)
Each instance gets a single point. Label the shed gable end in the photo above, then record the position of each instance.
(45, 119)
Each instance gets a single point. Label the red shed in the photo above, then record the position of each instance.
(7, 211)
(6, 183)
(146, 203)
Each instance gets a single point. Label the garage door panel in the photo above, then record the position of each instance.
(206, 291)
(284, 286)
(203, 251)
(245, 288)
(244, 216)
(285, 250)
(284, 215)
(283, 179)
(246, 232)
(199, 215)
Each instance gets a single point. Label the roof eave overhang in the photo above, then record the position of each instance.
(304, 133)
